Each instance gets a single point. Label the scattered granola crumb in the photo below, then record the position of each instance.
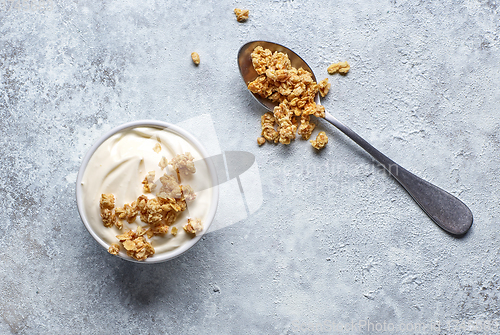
(173, 231)
(163, 163)
(241, 14)
(183, 163)
(194, 226)
(261, 140)
(324, 87)
(196, 58)
(148, 182)
(157, 148)
(341, 67)
(114, 249)
(321, 140)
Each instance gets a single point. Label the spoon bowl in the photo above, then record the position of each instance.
(249, 74)
(446, 210)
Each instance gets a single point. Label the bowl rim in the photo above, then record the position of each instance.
(175, 129)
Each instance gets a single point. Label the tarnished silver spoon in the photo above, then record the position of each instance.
(446, 210)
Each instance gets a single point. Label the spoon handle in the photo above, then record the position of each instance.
(446, 210)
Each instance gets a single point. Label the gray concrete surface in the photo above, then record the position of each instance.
(335, 243)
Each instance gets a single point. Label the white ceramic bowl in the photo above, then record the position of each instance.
(165, 256)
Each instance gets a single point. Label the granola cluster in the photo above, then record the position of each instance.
(149, 182)
(320, 141)
(163, 163)
(114, 249)
(294, 90)
(196, 58)
(135, 244)
(157, 148)
(127, 212)
(324, 87)
(159, 213)
(107, 205)
(194, 226)
(341, 67)
(169, 188)
(241, 14)
(268, 132)
(183, 163)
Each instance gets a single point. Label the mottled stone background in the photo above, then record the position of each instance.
(335, 240)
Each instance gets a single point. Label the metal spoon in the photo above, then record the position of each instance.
(447, 211)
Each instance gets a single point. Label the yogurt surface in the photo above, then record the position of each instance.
(119, 166)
